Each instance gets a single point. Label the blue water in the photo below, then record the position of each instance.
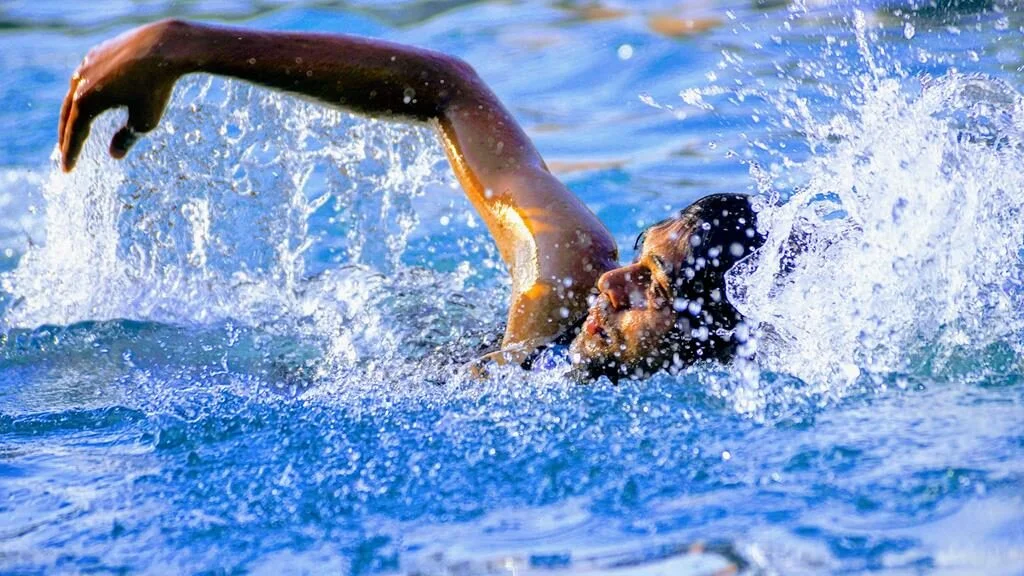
(239, 349)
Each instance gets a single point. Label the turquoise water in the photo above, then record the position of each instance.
(237, 350)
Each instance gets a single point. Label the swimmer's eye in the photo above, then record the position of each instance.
(657, 287)
(660, 289)
(660, 292)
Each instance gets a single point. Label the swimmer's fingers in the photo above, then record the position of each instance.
(476, 369)
(143, 116)
(482, 366)
(65, 109)
(76, 130)
(68, 114)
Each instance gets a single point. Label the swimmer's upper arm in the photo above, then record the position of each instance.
(554, 246)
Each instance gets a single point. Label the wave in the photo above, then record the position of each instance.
(898, 255)
(902, 252)
(261, 209)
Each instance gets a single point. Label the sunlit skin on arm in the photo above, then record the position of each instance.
(554, 246)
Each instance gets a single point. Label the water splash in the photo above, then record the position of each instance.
(215, 215)
(902, 252)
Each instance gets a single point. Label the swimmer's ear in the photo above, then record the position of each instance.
(143, 116)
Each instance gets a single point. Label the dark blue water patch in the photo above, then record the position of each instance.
(331, 21)
(28, 99)
(866, 552)
(242, 474)
(836, 458)
(308, 465)
(129, 343)
(105, 420)
(947, 12)
(43, 339)
(475, 449)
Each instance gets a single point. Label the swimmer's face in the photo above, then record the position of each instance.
(630, 321)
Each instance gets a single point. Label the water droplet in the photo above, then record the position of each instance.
(625, 52)
(908, 30)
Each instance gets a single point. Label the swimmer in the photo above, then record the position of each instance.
(665, 310)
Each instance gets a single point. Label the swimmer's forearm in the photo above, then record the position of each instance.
(367, 76)
(371, 77)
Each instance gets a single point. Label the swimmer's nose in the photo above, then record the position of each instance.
(618, 284)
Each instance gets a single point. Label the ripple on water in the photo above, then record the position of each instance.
(247, 361)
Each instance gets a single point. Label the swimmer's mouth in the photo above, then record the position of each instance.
(594, 325)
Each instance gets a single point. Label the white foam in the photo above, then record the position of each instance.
(903, 249)
(213, 215)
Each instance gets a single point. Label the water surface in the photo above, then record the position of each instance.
(238, 350)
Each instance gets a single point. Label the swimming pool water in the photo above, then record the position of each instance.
(238, 350)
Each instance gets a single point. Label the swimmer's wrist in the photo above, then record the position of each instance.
(183, 47)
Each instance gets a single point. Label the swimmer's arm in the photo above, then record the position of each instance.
(554, 247)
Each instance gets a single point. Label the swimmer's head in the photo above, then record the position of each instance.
(668, 308)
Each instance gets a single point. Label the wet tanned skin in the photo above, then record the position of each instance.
(554, 246)
(626, 328)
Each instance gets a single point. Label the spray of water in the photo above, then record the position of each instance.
(901, 253)
(214, 218)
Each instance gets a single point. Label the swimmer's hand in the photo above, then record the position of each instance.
(129, 71)
(515, 354)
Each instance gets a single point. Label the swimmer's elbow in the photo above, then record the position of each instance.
(463, 70)
(460, 84)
